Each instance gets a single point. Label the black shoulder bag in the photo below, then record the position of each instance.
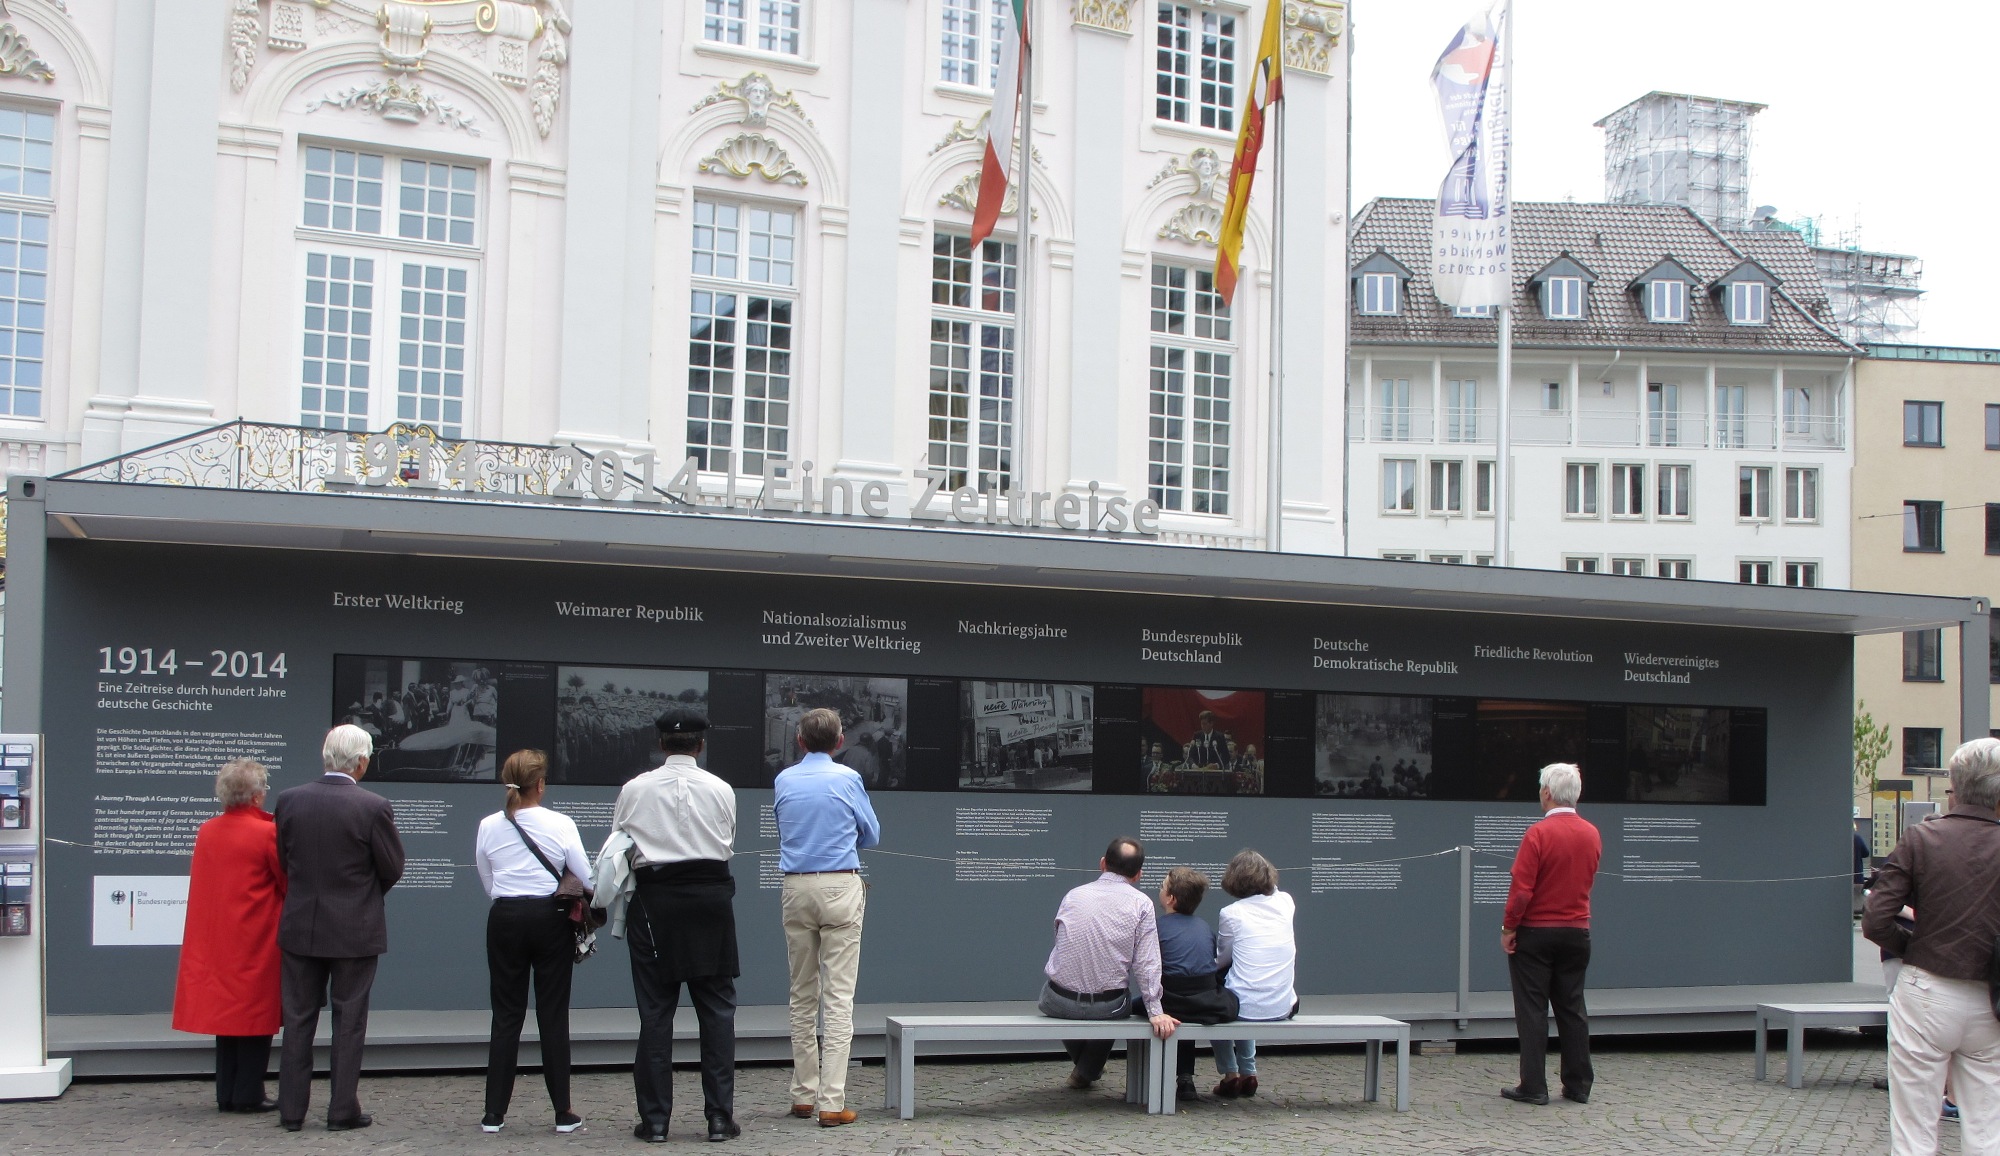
(571, 896)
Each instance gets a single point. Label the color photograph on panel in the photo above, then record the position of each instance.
(1026, 736)
(874, 716)
(607, 719)
(1677, 754)
(1202, 742)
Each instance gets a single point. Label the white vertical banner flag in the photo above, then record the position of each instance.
(1471, 236)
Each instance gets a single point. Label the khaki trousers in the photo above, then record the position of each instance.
(823, 943)
(1939, 1025)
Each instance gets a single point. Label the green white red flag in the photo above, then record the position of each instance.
(1000, 123)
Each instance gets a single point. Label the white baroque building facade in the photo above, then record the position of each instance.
(715, 229)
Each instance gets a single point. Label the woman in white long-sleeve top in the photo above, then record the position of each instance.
(528, 932)
(1255, 945)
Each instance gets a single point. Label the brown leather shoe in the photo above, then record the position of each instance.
(1078, 1082)
(1248, 1087)
(836, 1119)
(1230, 1087)
(803, 1111)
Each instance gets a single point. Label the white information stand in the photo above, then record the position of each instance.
(25, 1070)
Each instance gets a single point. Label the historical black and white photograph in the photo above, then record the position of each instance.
(1677, 754)
(607, 719)
(1372, 747)
(874, 716)
(433, 720)
(1025, 736)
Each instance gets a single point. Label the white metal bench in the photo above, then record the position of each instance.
(1371, 1031)
(1795, 1018)
(904, 1033)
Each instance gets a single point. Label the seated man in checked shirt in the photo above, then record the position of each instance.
(1106, 946)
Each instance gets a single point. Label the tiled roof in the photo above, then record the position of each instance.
(1617, 243)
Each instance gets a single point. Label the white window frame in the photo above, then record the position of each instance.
(755, 26)
(1628, 491)
(1673, 503)
(1400, 484)
(1749, 303)
(1202, 45)
(974, 372)
(1667, 567)
(32, 268)
(1394, 410)
(1552, 397)
(987, 23)
(1381, 295)
(757, 413)
(1399, 556)
(1472, 311)
(1485, 480)
(1445, 488)
(1562, 298)
(1663, 413)
(409, 360)
(1202, 359)
(1461, 410)
(1667, 301)
(1581, 491)
(1629, 566)
(1583, 563)
(1762, 501)
(1446, 559)
(1754, 571)
(1731, 416)
(1802, 494)
(1804, 573)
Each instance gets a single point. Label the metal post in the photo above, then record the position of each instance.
(1024, 318)
(1975, 679)
(1464, 937)
(1274, 485)
(1503, 507)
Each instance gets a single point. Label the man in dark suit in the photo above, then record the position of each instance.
(340, 852)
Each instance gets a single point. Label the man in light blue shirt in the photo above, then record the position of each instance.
(824, 822)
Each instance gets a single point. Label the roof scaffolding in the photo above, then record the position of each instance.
(1671, 148)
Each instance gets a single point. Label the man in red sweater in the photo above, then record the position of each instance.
(1546, 935)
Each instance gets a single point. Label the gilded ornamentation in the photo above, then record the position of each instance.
(17, 56)
(406, 34)
(1312, 31)
(758, 96)
(1203, 164)
(964, 196)
(1108, 15)
(1197, 223)
(397, 100)
(749, 152)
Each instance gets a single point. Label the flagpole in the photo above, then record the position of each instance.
(1274, 514)
(1503, 508)
(1024, 260)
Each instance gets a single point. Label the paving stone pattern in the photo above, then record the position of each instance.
(1656, 1100)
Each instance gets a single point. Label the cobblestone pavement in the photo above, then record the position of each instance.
(1652, 1097)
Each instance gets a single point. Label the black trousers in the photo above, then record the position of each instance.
(1547, 970)
(240, 1065)
(307, 982)
(658, 994)
(527, 937)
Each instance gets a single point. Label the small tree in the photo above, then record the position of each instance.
(1871, 746)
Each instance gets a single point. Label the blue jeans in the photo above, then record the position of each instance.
(1236, 1057)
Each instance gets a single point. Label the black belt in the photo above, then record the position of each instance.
(1081, 997)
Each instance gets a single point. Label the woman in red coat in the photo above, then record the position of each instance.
(228, 984)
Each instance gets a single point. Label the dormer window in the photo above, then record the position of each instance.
(1749, 303)
(1472, 311)
(1562, 298)
(1379, 294)
(1667, 302)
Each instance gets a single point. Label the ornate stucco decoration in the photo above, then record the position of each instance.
(18, 57)
(1204, 165)
(523, 44)
(749, 152)
(1197, 223)
(1106, 15)
(1312, 31)
(961, 131)
(964, 196)
(758, 96)
(396, 99)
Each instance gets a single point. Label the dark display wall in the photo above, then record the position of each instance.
(1005, 734)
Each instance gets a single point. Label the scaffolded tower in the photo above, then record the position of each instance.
(1670, 148)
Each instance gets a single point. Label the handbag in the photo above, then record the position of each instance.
(571, 897)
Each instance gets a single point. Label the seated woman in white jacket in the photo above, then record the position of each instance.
(1254, 943)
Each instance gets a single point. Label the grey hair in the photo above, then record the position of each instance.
(241, 781)
(1563, 782)
(346, 745)
(1975, 775)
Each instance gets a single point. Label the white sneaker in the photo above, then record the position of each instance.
(491, 1123)
(567, 1122)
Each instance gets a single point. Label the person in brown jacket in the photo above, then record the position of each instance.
(1941, 1011)
(340, 853)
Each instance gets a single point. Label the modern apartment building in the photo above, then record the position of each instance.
(1926, 521)
(1679, 406)
(728, 231)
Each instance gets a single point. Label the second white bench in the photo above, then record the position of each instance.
(904, 1033)
(1373, 1032)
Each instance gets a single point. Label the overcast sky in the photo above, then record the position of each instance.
(1880, 114)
